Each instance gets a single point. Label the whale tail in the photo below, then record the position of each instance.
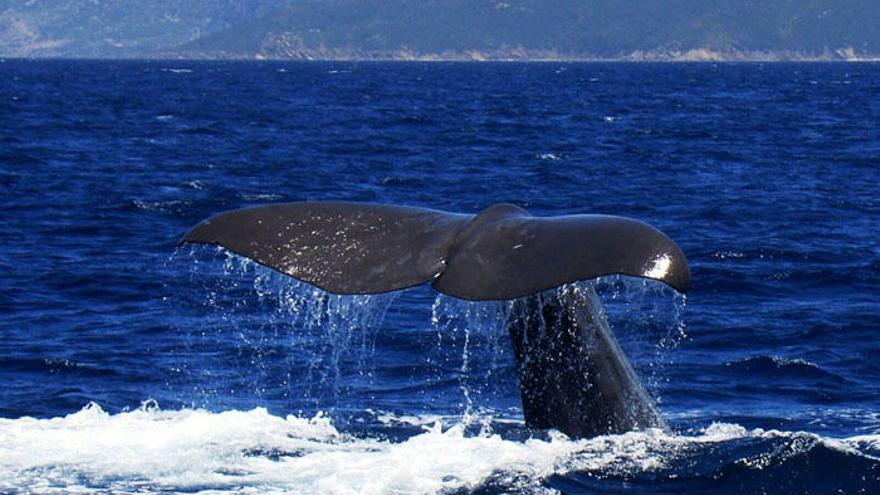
(574, 377)
(501, 253)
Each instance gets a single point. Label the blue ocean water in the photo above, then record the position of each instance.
(131, 364)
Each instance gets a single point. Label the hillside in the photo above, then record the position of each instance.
(640, 29)
(449, 29)
(115, 28)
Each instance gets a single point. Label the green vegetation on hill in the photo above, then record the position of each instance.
(475, 29)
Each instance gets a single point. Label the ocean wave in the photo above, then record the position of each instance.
(781, 367)
(549, 156)
(174, 205)
(55, 366)
(258, 197)
(8, 179)
(152, 450)
(195, 450)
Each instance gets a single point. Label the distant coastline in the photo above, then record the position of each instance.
(322, 54)
(694, 55)
(445, 30)
(292, 48)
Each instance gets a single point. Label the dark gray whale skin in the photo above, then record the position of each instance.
(501, 253)
(573, 375)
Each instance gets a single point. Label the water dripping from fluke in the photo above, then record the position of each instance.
(531, 276)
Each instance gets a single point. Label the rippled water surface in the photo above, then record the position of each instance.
(132, 365)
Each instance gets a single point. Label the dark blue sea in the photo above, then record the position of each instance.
(132, 365)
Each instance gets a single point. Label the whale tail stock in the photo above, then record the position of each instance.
(573, 375)
(574, 378)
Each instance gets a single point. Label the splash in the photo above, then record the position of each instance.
(258, 337)
(263, 335)
(472, 341)
(472, 345)
(150, 450)
(647, 318)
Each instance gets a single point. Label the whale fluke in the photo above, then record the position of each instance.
(505, 253)
(344, 248)
(501, 253)
(573, 375)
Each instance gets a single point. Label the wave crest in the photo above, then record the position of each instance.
(152, 450)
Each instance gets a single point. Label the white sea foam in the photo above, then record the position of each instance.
(150, 450)
(159, 205)
(251, 451)
(259, 197)
(549, 156)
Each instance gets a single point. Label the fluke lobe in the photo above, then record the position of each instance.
(573, 375)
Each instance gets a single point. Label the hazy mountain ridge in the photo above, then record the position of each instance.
(115, 28)
(449, 29)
